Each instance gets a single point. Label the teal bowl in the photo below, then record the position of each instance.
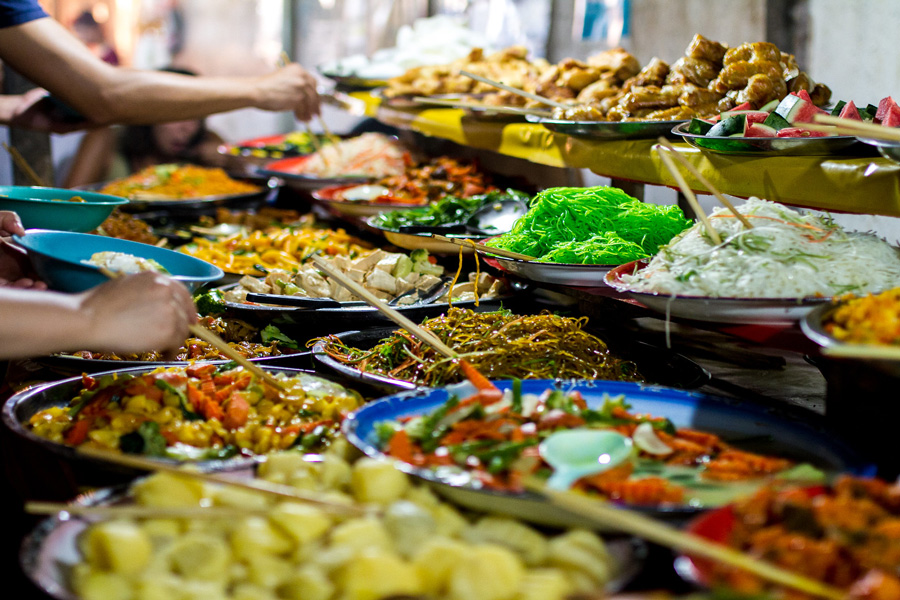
(57, 256)
(49, 208)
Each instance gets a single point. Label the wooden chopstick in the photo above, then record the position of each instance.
(255, 485)
(854, 128)
(221, 345)
(689, 194)
(621, 519)
(424, 335)
(467, 243)
(24, 166)
(706, 183)
(334, 139)
(510, 110)
(144, 512)
(513, 90)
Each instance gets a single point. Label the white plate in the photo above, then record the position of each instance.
(734, 311)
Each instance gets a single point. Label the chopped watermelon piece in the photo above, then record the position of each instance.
(804, 95)
(798, 132)
(795, 109)
(883, 108)
(742, 106)
(850, 112)
(758, 130)
(756, 116)
(892, 119)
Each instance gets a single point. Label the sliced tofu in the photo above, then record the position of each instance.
(426, 281)
(412, 278)
(382, 295)
(379, 280)
(403, 286)
(484, 283)
(388, 263)
(357, 275)
(252, 284)
(366, 263)
(497, 289)
(237, 294)
(314, 284)
(342, 262)
(340, 293)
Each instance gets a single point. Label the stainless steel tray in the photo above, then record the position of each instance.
(607, 130)
(811, 146)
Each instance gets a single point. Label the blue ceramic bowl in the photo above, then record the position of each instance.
(57, 256)
(48, 208)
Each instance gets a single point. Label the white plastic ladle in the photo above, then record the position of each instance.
(577, 453)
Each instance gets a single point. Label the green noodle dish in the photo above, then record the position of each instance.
(591, 226)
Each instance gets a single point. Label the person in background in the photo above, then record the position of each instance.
(89, 31)
(147, 311)
(48, 54)
(112, 153)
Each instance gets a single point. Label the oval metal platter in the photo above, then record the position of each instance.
(607, 130)
(786, 146)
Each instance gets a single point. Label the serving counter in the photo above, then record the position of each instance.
(860, 182)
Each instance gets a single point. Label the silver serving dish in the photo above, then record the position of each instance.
(607, 130)
(734, 311)
(889, 150)
(351, 80)
(267, 191)
(811, 146)
(50, 551)
(557, 273)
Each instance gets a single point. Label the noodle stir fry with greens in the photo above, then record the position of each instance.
(500, 345)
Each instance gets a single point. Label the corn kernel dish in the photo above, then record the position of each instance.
(199, 412)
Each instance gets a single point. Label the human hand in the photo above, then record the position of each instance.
(10, 224)
(15, 268)
(137, 313)
(290, 88)
(35, 110)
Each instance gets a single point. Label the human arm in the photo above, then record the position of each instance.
(147, 311)
(106, 94)
(92, 160)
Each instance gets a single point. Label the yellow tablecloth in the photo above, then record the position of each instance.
(846, 184)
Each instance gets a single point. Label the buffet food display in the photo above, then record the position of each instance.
(506, 367)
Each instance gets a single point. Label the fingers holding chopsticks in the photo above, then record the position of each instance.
(137, 313)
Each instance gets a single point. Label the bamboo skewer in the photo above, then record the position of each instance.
(509, 88)
(24, 166)
(863, 351)
(511, 110)
(426, 336)
(666, 535)
(278, 491)
(284, 60)
(706, 183)
(689, 194)
(144, 512)
(221, 345)
(467, 243)
(852, 127)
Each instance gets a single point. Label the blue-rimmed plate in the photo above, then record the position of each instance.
(794, 434)
(57, 257)
(59, 209)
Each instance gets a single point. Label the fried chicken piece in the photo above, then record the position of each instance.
(650, 97)
(621, 63)
(706, 49)
(693, 96)
(654, 73)
(761, 89)
(820, 94)
(675, 113)
(735, 75)
(698, 71)
(576, 75)
(753, 52)
(581, 112)
(597, 91)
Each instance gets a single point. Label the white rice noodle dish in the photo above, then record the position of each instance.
(787, 254)
(369, 155)
(120, 262)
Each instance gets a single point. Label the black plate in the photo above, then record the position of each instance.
(658, 365)
(73, 365)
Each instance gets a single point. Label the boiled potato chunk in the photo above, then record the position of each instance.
(362, 534)
(486, 573)
(302, 522)
(255, 536)
(544, 584)
(268, 571)
(375, 480)
(250, 591)
(435, 561)
(518, 537)
(581, 551)
(98, 585)
(373, 576)
(200, 556)
(119, 546)
(308, 583)
(168, 490)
